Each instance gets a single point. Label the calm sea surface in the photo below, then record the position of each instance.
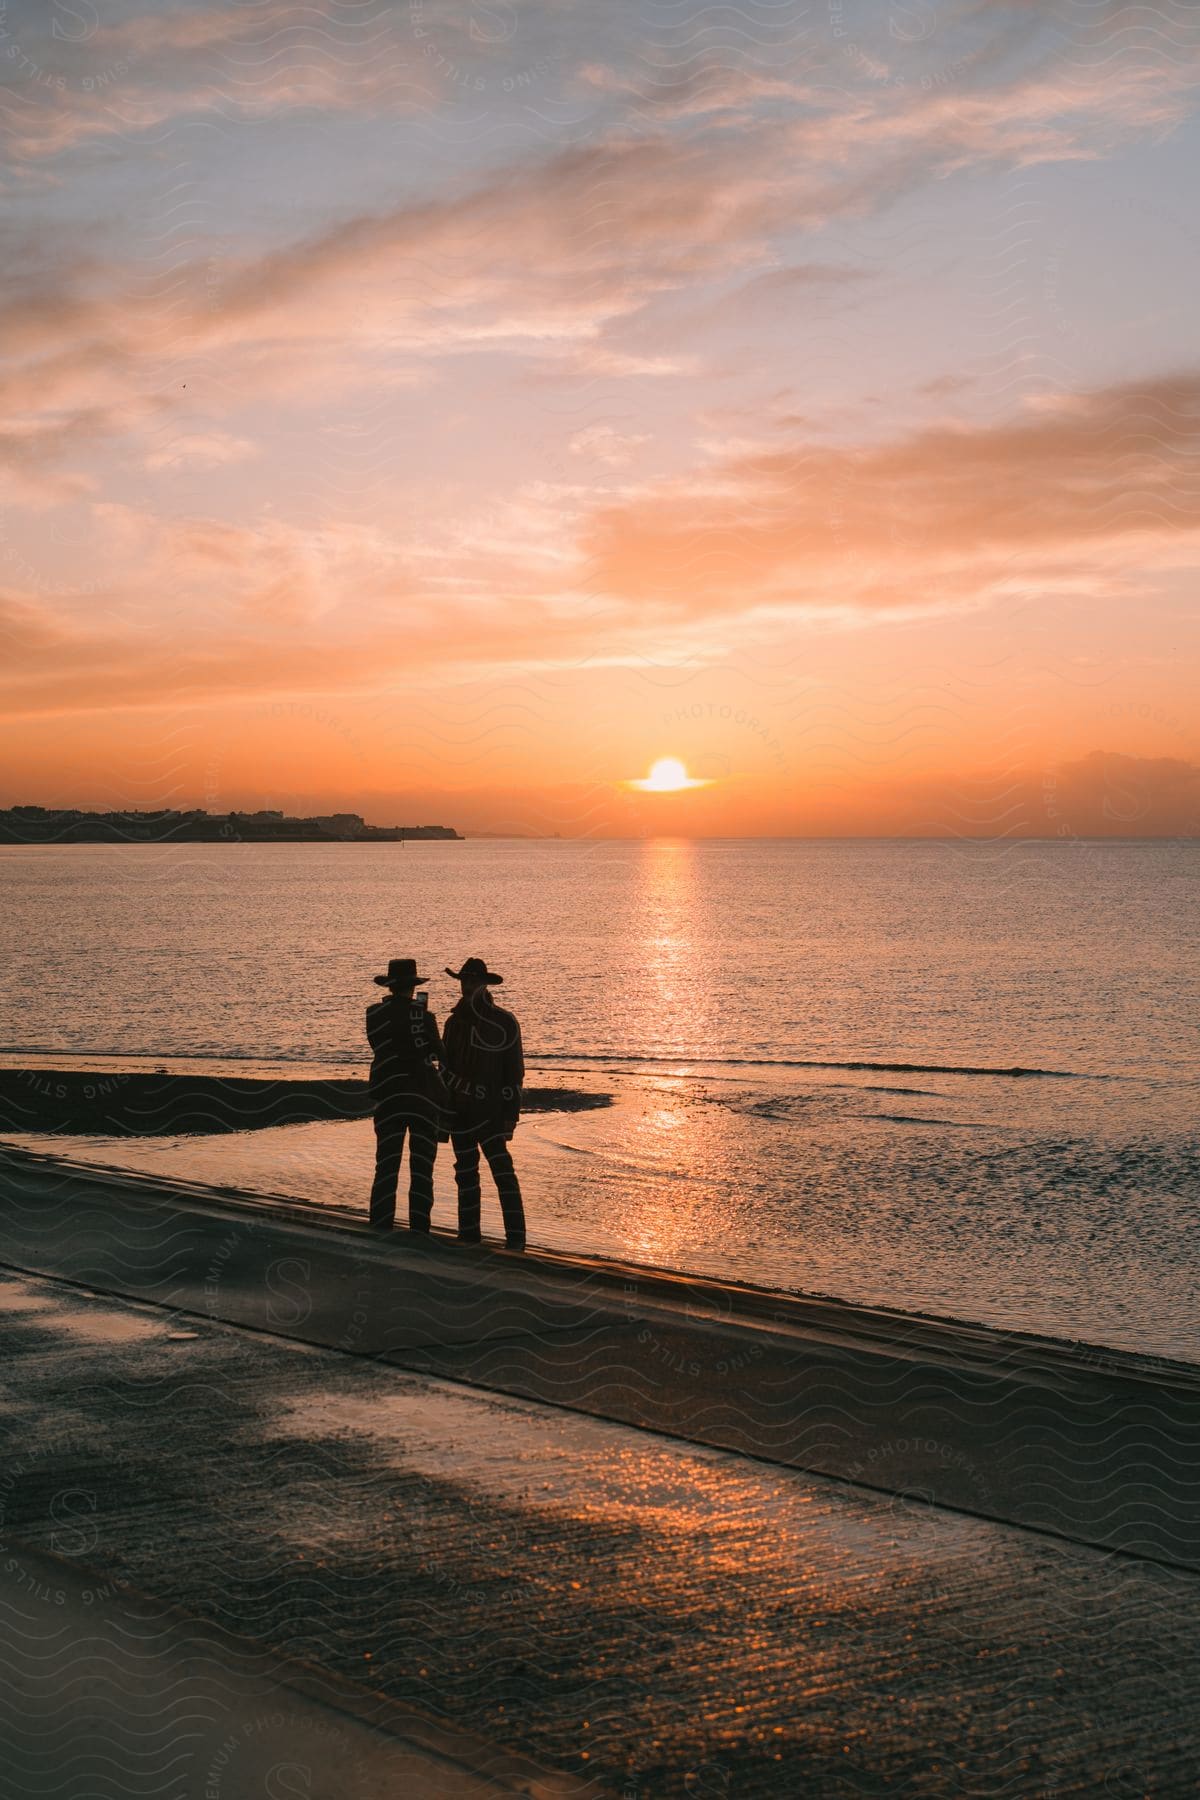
(721, 993)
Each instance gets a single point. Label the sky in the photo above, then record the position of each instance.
(442, 411)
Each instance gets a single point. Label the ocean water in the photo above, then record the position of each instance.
(809, 1046)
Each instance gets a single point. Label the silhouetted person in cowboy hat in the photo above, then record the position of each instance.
(484, 1068)
(407, 1093)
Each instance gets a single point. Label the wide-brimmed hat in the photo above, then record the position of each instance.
(402, 972)
(474, 969)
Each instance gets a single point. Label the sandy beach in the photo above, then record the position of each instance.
(552, 1550)
(1093, 1444)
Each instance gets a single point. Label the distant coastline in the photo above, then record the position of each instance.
(49, 825)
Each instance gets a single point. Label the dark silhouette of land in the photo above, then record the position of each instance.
(118, 1102)
(47, 825)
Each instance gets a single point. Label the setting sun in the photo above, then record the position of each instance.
(667, 776)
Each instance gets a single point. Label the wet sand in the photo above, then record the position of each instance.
(108, 1102)
(109, 1689)
(665, 1619)
(1096, 1445)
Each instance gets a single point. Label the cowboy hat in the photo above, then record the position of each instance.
(401, 972)
(474, 969)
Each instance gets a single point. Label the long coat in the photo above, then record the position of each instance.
(484, 1064)
(405, 1042)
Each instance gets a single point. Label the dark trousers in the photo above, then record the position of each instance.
(489, 1137)
(390, 1129)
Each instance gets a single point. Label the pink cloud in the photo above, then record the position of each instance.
(257, 61)
(934, 517)
(1077, 499)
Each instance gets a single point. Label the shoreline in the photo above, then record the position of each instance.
(1101, 1447)
(333, 1625)
(158, 1103)
(727, 1295)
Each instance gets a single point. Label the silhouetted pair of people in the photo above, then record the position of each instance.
(462, 1084)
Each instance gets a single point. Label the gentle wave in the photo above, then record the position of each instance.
(787, 1062)
(303, 1059)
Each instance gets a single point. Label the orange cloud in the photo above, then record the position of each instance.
(932, 520)
(1104, 794)
(1069, 498)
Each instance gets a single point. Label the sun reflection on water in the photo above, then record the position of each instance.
(666, 874)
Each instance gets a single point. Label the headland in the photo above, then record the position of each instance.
(168, 825)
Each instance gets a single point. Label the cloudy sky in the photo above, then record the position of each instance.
(442, 408)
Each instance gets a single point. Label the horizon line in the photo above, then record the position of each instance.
(555, 837)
